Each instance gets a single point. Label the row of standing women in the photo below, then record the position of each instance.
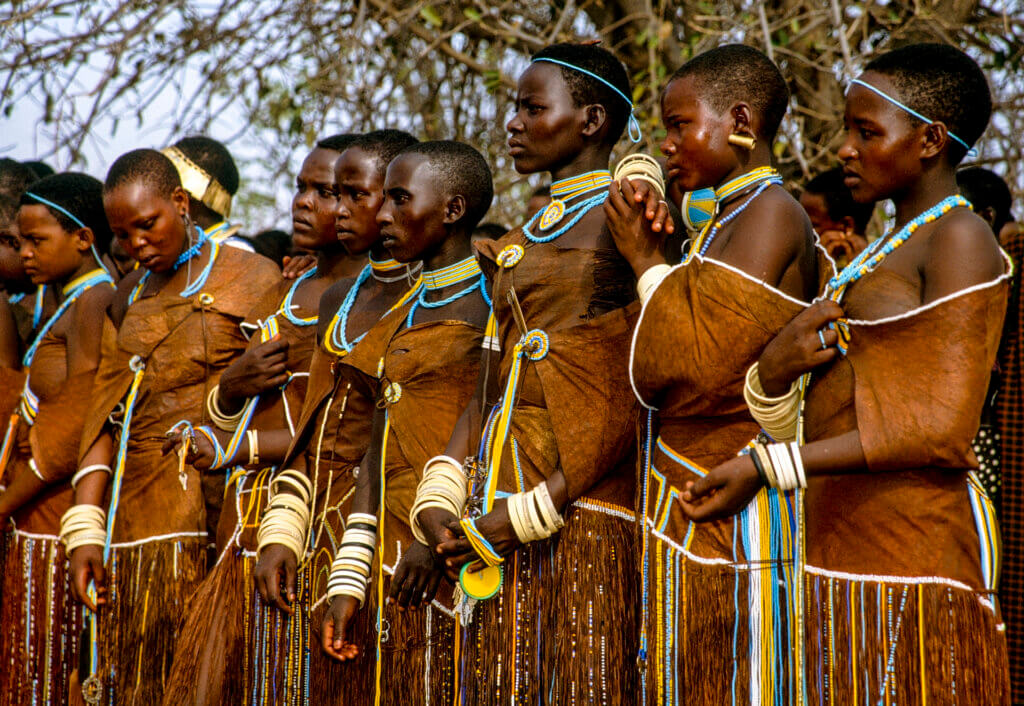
(587, 462)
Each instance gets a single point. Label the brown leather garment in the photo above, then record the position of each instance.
(185, 344)
(575, 410)
(914, 387)
(701, 329)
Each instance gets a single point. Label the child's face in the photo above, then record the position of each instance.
(881, 154)
(412, 217)
(12, 269)
(360, 194)
(314, 203)
(545, 131)
(150, 227)
(49, 253)
(699, 155)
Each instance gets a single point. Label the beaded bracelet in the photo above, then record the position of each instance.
(83, 525)
(224, 422)
(83, 472)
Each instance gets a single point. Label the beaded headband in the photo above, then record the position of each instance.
(634, 126)
(971, 152)
(74, 219)
(198, 183)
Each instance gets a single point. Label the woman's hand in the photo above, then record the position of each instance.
(417, 577)
(201, 454)
(86, 566)
(259, 368)
(636, 217)
(297, 265)
(797, 349)
(495, 526)
(334, 638)
(277, 565)
(723, 492)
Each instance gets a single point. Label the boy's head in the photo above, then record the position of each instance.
(734, 89)
(940, 83)
(147, 208)
(209, 175)
(12, 271)
(60, 221)
(831, 207)
(15, 177)
(432, 191)
(360, 184)
(989, 195)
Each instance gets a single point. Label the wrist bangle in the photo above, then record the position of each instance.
(88, 470)
(224, 422)
(649, 280)
(254, 447)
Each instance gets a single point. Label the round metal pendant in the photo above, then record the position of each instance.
(552, 214)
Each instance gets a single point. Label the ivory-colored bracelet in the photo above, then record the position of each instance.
(643, 167)
(83, 472)
(782, 464)
(83, 525)
(649, 280)
(296, 480)
(533, 514)
(778, 416)
(443, 486)
(32, 466)
(224, 422)
(286, 522)
(254, 446)
(352, 567)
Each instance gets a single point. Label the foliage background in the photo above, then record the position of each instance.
(270, 76)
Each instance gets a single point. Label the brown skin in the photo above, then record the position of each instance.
(13, 279)
(151, 228)
(55, 256)
(700, 156)
(360, 187)
(417, 222)
(885, 156)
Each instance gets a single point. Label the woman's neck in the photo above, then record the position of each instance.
(933, 186)
(337, 264)
(587, 160)
(87, 265)
(454, 249)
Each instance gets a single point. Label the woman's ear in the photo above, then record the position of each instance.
(934, 140)
(596, 119)
(181, 201)
(742, 120)
(83, 238)
(455, 209)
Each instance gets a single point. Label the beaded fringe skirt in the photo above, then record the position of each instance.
(563, 628)
(41, 622)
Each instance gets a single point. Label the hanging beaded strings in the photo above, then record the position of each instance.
(758, 179)
(564, 190)
(286, 305)
(433, 280)
(185, 257)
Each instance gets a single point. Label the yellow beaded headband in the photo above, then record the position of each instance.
(198, 183)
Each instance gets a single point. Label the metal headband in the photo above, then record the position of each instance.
(199, 183)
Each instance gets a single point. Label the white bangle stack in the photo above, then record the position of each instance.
(350, 572)
(224, 422)
(778, 416)
(82, 525)
(780, 465)
(533, 514)
(286, 521)
(443, 486)
(649, 280)
(644, 168)
(83, 472)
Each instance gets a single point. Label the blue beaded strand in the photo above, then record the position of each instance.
(192, 251)
(582, 208)
(422, 301)
(338, 338)
(726, 219)
(287, 306)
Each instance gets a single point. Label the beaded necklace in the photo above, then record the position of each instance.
(195, 286)
(761, 178)
(870, 258)
(287, 306)
(335, 339)
(566, 189)
(456, 273)
(72, 291)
